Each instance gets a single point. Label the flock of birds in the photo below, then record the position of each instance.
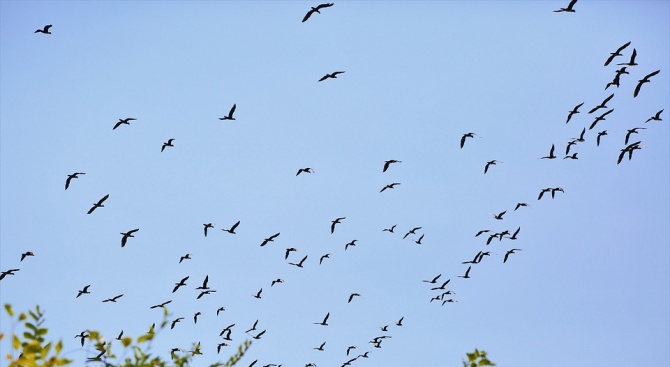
(438, 290)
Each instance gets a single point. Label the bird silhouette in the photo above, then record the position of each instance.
(288, 251)
(83, 335)
(633, 131)
(615, 82)
(518, 205)
(3, 274)
(513, 236)
(320, 347)
(299, 264)
(125, 121)
(98, 204)
(603, 104)
(465, 136)
(399, 323)
(418, 242)
(180, 284)
(326, 256)
(218, 347)
(574, 111)
(467, 273)
(388, 163)
(185, 257)
(195, 317)
(628, 149)
(616, 53)
(26, 254)
(270, 239)
(232, 229)
(219, 310)
(207, 226)
(444, 284)
(572, 156)
(278, 280)
(70, 177)
(389, 186)
(44, 30)
(161, 305)
(490, 163)
(352, 243)
(499, 216)
(203, 293)
(230, 113)
(204, 283)
(509, 253)
(475, 260)
(258, 294)
(167, 144)
(434, 280)
(642, 81)
(325, 320)
(632, 59)
(551, 153)
(316, 9)
(253, 327)
(120, 335)
(569, 9)
(390, 230)
(305, 170)
(334, 222)
(332, 75)
(351, 297)
(258, 336)
(411, 231)
(656, 117)
(175, 321)
(83, 291)
(113, 299)
(126, 235)
(479, 233)
(600, 118)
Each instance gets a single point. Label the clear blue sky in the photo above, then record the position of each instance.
(589, 287)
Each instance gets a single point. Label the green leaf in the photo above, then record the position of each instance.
(16, 342)
(22, 316)
(59, 347)
(9, 310)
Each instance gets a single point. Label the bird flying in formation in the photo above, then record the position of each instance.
(207, 225)
(490, 163)
(388, 163)
(332, 75)
(465, 136)
(126, 235)
(204, 283)
(161, 305)
(325, 320)
(574, 111)
(551, 153)
(600, 134)
(629, 149)
(411, 231)
(70, 177)
(389, 186)
(230, 113)
(333, 223)
(316, 9)
(83, 291)
(185, 257)
(98, 204)
(125, 121)
(3, 274)
(181, 283)
(603, 104)
(656, 117)
(232, 229)
(44, 30)
(600, 118)
(642, 81)
(512, 251)
(632, 59)
(113, 299)
(299, 264)
(616, 53)
(632, 131)
(270, 239)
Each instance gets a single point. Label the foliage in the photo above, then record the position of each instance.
(33, 352)
(477, 359)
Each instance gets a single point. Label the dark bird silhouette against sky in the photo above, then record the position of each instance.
(204, 283)
(83, 291)
(207, 226)
(467, 273)
(325, 320)
(631, 62)
(574, 111)
(411, 231)
(643, 81)
(304, 170)
(232, 229)
(600, 118)
(632, 131)
(389, 186)
(299, 264)
(569, 9)
(180, 284)
(70, 177)
(316, 9)
(616, 53)
(230, 113)
(44, 30)
(113, 299)
(388, 163)
(656, 117)
(125, 121)
(26, 254)
(512, 251)
(336, 221)
(3, 274)
(490, 163)
(465, 136)
(126, 235)
(332, 75)
(551, 153)
(603, 104)
(167, 144)
(98, 204)
(600, 134)
(161, 305)
(270, 239)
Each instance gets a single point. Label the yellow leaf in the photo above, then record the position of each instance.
(10, 312)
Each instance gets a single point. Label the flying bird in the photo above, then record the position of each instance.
(9, 272)
(175, 321)
(572, 156)
(120, 335)
(161, 304)
(44, 30)
(615, 82)
(336, 221)
(632, 131)
(518, 205)
(632, 59)
(288, 251)
(551, 153)
(489, 163)
(629, 149)
(482, 231)
(390, 230)
(83, 291)
(352, 243)
(351, 297)
(569, 9)
(603, 104)
(434, 280)
(70, 177)
(203, 293)
(600, 118)
(204, 283)
(467, 273)
(656, 117)
(219, 310)
(98, 204)
(113, 299)
(642, 81)
(411, 231)
(83, 336)
(499, 216)
(258, 294)
(167, 144)
(513, 237)
(465, 136)
(232, 229)
(332, 75)
(185, 257)
(616, 53)
(389, 186)
(418, 242)
(258, 336)
(207, 226)
(316, 10)
(320, 347)
(195, 317)
(574, 111)
(126, 235)
(299, 264)
(399, 323)
(388, 163)
(26, 254)
(230, 113)
(269, 239)
(325, 320)
(278, 280)
(554, 190)
(326, 256)
(253, 327)
(181, 283)
(509, 253)
(305, 170)
(125, 121)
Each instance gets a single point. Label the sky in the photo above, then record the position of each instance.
(590, 284)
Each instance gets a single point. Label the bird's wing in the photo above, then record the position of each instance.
(323, 78)
(232, 110)
(386, 166)
(103, 199)
(637, 89)
(623, 47)
(309, 14)
(327, 5)
(232, 229)
(67, 182)
(652, 74)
